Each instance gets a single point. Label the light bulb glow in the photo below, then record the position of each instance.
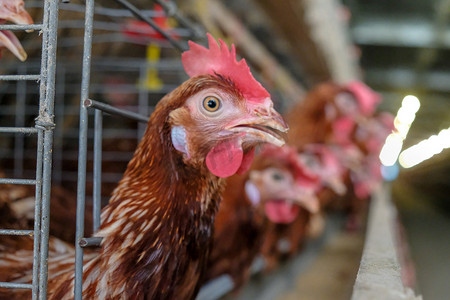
(402, 123)
(425, 149)
(391, 149)
(411, 103)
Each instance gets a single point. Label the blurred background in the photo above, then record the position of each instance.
(398, 48)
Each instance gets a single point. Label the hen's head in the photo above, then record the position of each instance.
(281, 183)
(13, 11)
(372, 134)
(365, 97)
(320, 159)
(221, 113)
(354, 100)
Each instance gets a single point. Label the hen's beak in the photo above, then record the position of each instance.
(7, 38)
(262, 125)
(304, 198)
(10, 41)
(19, 16)
(336, 184)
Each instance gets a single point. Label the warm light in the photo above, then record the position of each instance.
(402, 122)
(411, 103)
(405, 116)
(402, 129)
(425, 149)
(444, 137)
(391, 149)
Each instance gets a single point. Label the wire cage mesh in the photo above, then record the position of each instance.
(43, 128)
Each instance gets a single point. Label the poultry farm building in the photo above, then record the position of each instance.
(339, 212)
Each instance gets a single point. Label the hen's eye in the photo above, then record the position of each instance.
(277, 176)
(211, 103)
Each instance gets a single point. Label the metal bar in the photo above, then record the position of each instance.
(60, 115)
(98, 128)
(37, 214)
(21, 27)
(81, 188)
(45, 213)
(18, 130)
(142, 101)
(20, 77)
(110, 12)
(45, 122)
(138, 14)
(91, 242)
(16, 232)
(17, 181)
(115, 111)
(172, 11)
(19, 140)
(13, 285)
(216, 288)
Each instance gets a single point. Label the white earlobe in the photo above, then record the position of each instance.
(178, 135)
(252, 193)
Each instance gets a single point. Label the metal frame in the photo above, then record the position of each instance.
(44, 127)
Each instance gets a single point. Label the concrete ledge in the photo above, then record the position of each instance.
(379, 275)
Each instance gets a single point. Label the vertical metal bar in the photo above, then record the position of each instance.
(45, 213)
(37, 213)
(45, 121)
(37, 285)
(81, 188)
(58, 144)
(142, 100)
(97, 194)
(21, 87)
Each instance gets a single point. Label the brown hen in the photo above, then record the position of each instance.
(158, 225)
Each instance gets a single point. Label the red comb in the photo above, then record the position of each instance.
(220, 60)
(366, 97)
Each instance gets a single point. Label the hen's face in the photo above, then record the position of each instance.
(13, 11)
(325, 164)
(218, 126)
(280, 194)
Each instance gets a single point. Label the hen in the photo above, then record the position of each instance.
(273, 187)
(353, 107)
(287, 226)
(13, 11)
(158, 224)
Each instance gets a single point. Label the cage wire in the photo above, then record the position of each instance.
(42, 132)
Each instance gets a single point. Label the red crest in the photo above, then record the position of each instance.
(220, 60)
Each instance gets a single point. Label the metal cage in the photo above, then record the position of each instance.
(44, 125)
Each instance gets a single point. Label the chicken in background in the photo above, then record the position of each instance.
(370, 136)
(13, 11)
(364, 169)
(311, 119)
(157, 228)
(17, 211)
(287, 223)
(271, 190)
(321, 160)
(330, 114)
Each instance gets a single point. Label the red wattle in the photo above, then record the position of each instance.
(246, 162)
(225, 159)
(279, 211)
